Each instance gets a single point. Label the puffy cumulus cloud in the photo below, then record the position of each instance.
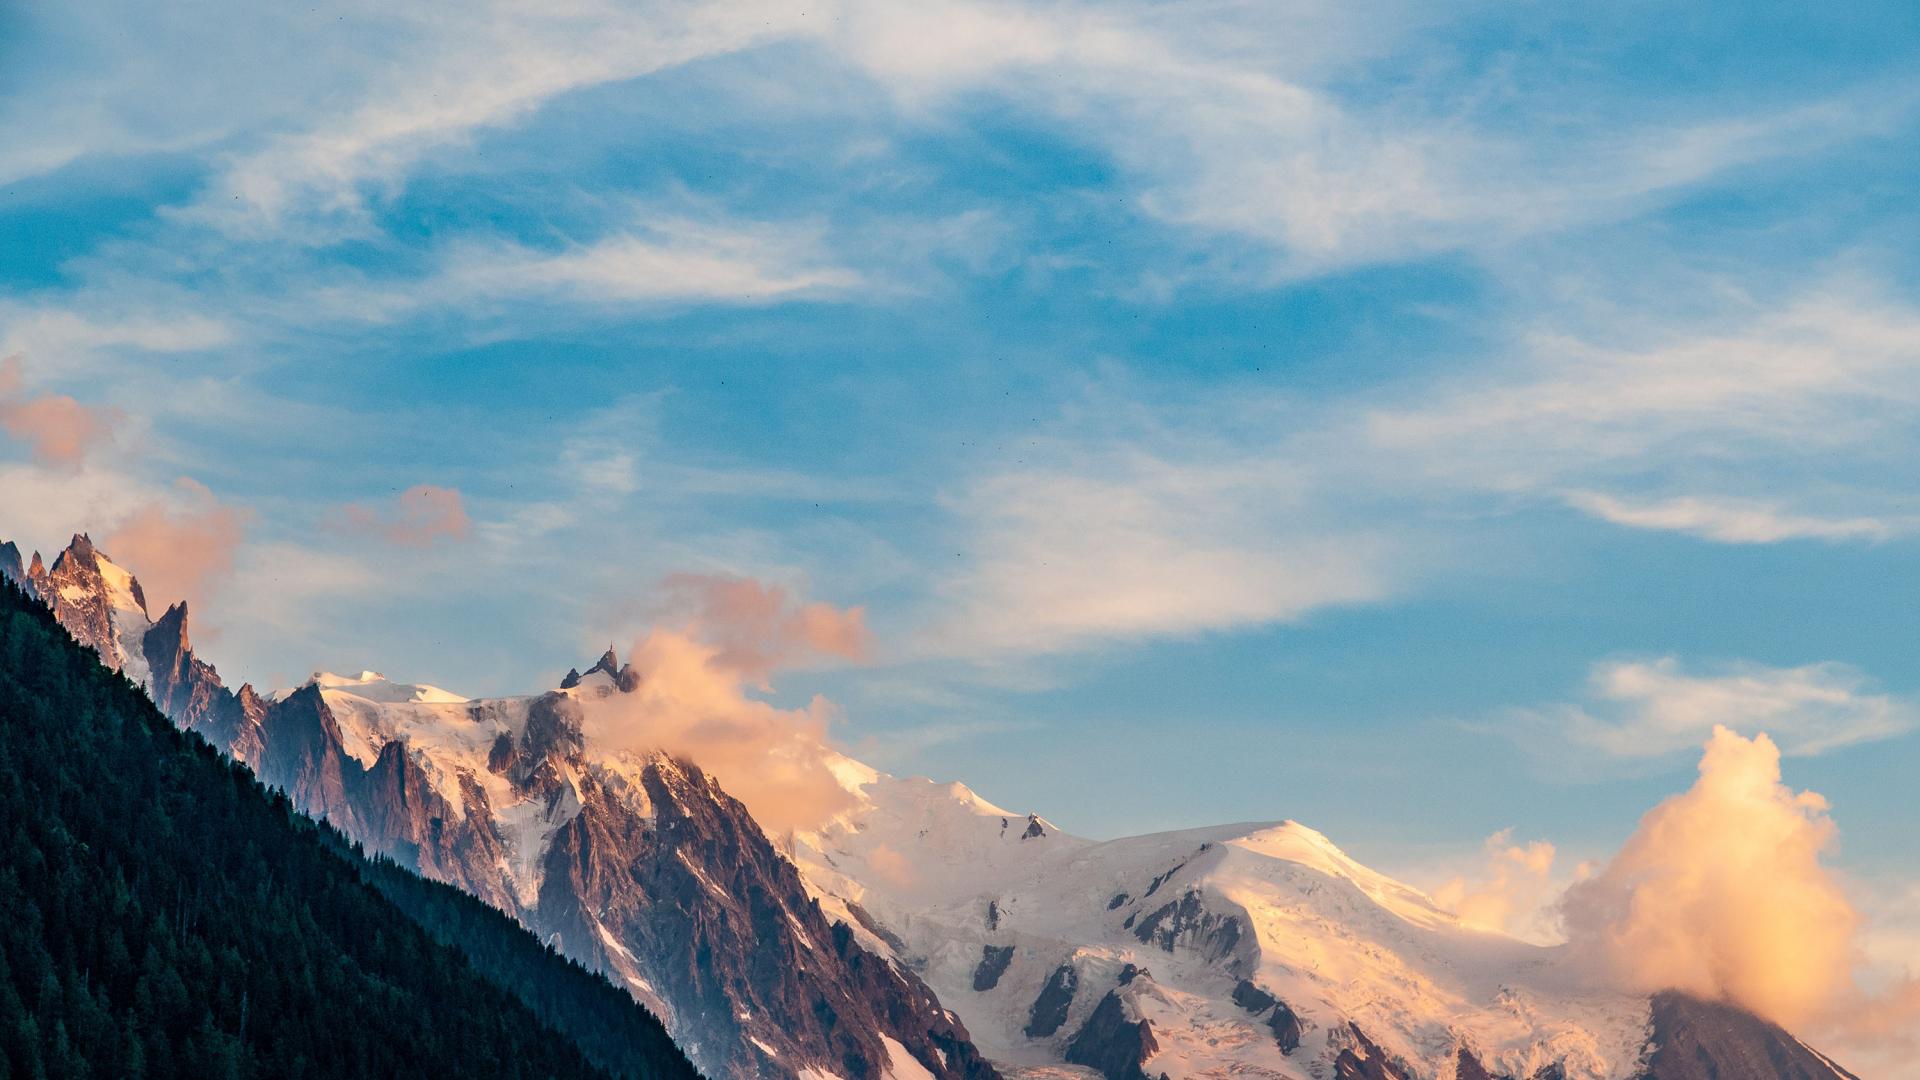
(420, 516)
(59, 429)
(692, 702)
(180, 549)
(1511, 891)
(757, 628)
(1720, 892)
(1649, 708)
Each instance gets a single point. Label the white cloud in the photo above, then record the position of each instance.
(1245, 507)
(46, 505)
(1730, 521)
(472, 67)
(1229, 123)
(1509, 894)
(1830, 371)
(1643, 709)
(664, 260)
(1722, 892)
(1138, 545)
(60, 339)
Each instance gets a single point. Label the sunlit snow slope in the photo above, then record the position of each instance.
(1243, 938)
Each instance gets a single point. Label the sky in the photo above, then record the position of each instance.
(1421, 421)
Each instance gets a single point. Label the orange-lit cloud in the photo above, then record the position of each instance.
(1876, 1034)
(420, 516)
(692, 702)
(59, 429)
(1508, 896)
(1721, 893)
(179, 551)
(758, 628)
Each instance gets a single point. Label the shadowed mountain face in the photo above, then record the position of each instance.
(637, 865)
(811, 961)
(166, 916)
(1709, 1040)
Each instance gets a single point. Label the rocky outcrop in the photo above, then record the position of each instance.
(904, 1003)
(1360, 1059)
(993, 964)
(1050, 1008)
(1281, 1020)
(1187, 921)
(1114, 1040)
(190, 692)
(1467, 1066)
(303, 756)
(13, 569)
(1707, 1040)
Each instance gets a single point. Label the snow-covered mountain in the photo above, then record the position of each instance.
(1255, 950)
(1239, 950)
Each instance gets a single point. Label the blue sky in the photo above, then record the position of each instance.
(1419, 423)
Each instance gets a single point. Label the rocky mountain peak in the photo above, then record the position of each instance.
(609, 662)
(10, 565)
(99, 603)
(80, 553)
(172, 624)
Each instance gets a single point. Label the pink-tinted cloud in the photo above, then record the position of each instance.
(180, 550)
(1508, 894)
(757, 628)
(727, 636)
(1877, 1034)
(692, 703)
(59, 429)
(419, 517)
(1721, 893)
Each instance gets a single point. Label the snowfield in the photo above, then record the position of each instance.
(944, 875)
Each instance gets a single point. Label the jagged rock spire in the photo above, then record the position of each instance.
(609, 662)
(10, 565)
(80, 551)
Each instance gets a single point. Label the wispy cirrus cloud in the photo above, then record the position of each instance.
(1254, 505)
(661, 259)
(1245, 134)
(1826, 372)
(1652, 708)
(468, 69)
(1131, 545)
(1731, 521)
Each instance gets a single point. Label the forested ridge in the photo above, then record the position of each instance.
(163, 915)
